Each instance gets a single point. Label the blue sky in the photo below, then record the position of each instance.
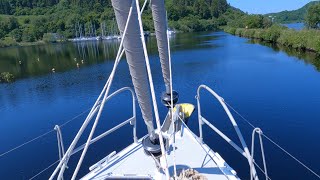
(267, 6)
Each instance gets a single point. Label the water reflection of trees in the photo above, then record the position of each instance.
(306, 56)
(38, 60)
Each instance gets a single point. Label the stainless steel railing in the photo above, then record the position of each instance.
(244, 150)
(64, 156)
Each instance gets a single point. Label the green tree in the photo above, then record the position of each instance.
(40, 27)
(222, 6)
(254, 21)
(16, 34)
(12, 23)
(313, 16)
(49, 37)
(201, 9)
(218, 7)
(215, 9)
(28, 35)
(98, 7)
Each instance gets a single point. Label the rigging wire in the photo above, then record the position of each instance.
(274, 143)
(45, 169)
(171, 104)
(28, 142)
(215, 162)
(42, 135)
(38, 137)
(261, 169)
(104, 98)
(154, 101)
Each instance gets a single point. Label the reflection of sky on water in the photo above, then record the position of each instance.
(270, 86)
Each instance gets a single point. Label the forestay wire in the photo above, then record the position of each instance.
(274, 143)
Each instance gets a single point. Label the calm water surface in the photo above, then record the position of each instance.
(276, 89)
(295, 26)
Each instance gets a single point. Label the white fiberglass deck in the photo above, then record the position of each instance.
(132, 161)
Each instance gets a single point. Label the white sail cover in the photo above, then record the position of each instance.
(135, 57)
(160, 25)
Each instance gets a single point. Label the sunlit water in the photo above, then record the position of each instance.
(295, 26)
(275, 90)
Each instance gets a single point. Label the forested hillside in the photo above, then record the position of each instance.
(30, 20)
(298, 15)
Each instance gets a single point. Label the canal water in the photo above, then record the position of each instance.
(296, 26)
(276, 89)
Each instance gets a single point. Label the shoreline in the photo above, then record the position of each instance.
(303, 40)
(41, 42)
(26, 44)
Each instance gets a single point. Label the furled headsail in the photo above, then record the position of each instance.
(160, 25)
(135, 57)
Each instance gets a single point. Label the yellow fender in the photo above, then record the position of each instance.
(186, 108)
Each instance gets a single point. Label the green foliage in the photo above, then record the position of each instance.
(272, 34)
(302, 40)
(218, 7)
(292, 16)
(305, 39)
(200, 7)
(28, 35)
(6, 77)
(49, 37)
(7, 41)
(7, 24)
(194, 23)
(313, 16)
(35, 20)
(16, 34)
(200, 15)
(250, 21)
(230, 30)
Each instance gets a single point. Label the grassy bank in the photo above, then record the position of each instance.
(9, 42)
(301, 40)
